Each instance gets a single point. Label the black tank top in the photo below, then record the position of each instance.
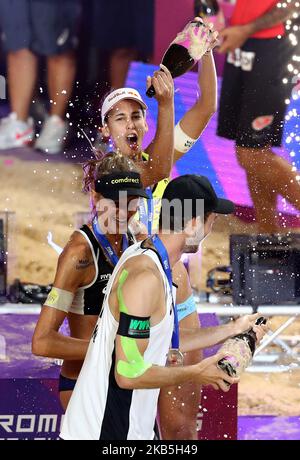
(88, 299)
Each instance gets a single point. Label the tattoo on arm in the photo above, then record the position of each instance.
(275, 16)
(85, 260)
(83, 263)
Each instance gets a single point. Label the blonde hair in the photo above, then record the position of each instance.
(112, 162)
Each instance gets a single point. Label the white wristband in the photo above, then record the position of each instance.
(182, 142)
(59, 299)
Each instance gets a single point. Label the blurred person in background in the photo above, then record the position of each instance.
(32, 28)
(255, 90)
(112, 35)
(124, 29)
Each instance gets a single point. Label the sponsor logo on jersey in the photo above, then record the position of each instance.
(243, 59)
(263, 122)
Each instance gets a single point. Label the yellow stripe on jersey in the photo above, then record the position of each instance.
(157, 193)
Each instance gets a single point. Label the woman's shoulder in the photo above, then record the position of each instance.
(76, 247)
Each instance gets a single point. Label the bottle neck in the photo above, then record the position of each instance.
(206, 8)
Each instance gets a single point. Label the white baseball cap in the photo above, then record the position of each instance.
(118, 95)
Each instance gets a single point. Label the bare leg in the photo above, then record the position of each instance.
(22, 73)
(119, 65)
(268, 176)
(179, 406)
(61, 75)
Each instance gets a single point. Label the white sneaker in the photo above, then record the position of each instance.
(52, 137)
(14, 132)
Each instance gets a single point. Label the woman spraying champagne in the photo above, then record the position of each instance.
(196, 39)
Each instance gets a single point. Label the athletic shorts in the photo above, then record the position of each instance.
(253, 97)
(45, 27)
(123, 24)
(186, 308)
(66, 384)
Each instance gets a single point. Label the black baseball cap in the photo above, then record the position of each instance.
(193, 187)
(110, 185)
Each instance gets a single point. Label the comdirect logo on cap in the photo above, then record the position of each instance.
(125, 180)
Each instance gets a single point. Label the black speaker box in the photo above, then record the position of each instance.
(265, 269)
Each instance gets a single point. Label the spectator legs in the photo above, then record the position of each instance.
(119, 64)
(268, 176)
(61, 75)
(22, 74)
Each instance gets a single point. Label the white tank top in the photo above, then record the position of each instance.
(98, 408)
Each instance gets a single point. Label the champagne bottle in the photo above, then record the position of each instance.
(210, 12)
(206, 8)
(240, 350)
(184, 51)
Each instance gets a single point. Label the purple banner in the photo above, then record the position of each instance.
(29, 409)
(29, 401)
